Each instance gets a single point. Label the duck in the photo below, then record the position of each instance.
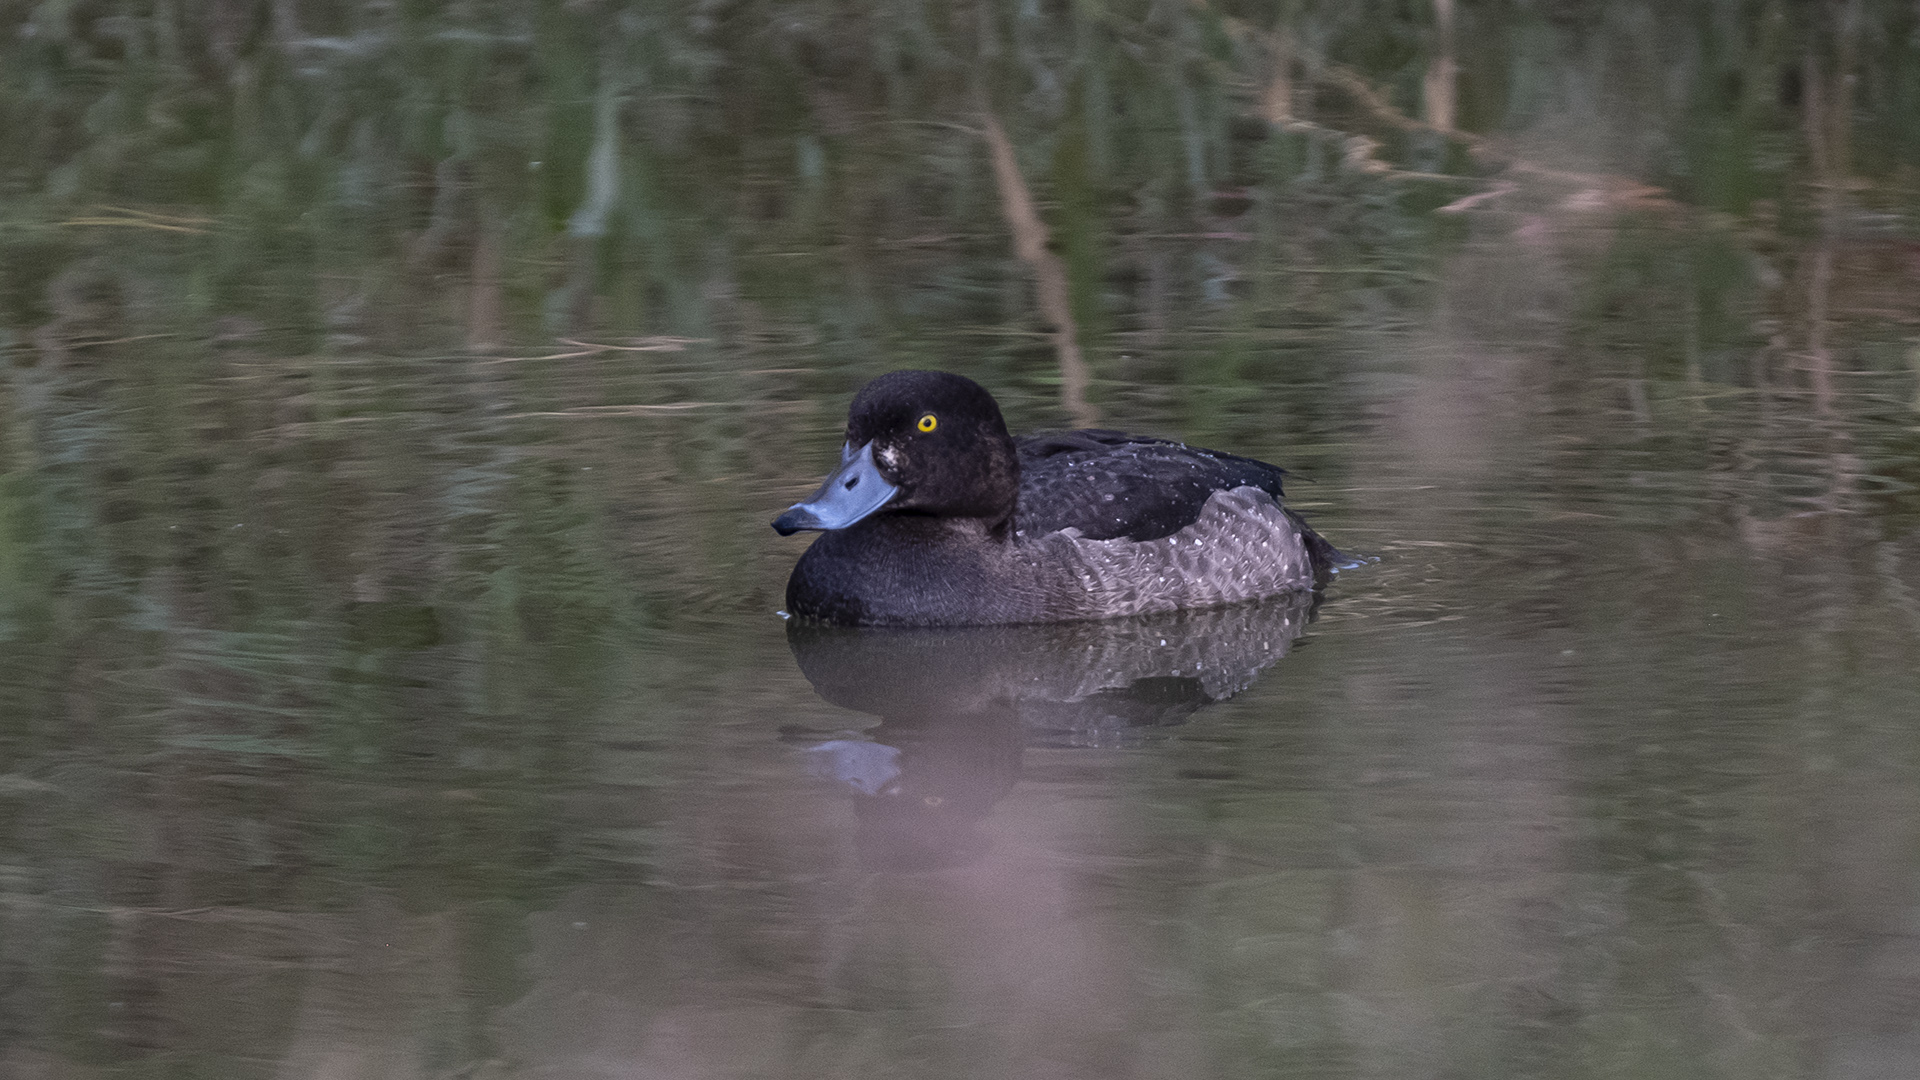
(936, 516)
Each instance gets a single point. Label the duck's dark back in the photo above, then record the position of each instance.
(1109, 484)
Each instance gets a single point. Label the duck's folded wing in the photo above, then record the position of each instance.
(1109, 484)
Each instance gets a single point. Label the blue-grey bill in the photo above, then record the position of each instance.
(855, 490)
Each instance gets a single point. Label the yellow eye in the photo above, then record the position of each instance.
(928, 422)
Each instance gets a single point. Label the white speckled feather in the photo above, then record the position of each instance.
(1242, 547)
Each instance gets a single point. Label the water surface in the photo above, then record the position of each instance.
(393, 684)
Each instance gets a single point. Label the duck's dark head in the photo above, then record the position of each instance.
(918, 442)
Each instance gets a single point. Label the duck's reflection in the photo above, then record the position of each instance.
(958, 705)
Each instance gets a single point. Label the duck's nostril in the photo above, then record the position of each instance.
(852, 482)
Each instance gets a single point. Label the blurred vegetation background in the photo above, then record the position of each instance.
(449, 177)
(396, 391)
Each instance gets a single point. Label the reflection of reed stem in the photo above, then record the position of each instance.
(1049, 273)
(1913, 361)
(1819, 357)
(1826, 107)
(483, 296)
(1443, 72)
(1276, 100)
(603, 169)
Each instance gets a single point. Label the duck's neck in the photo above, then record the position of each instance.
(931, 529)
(983, 487)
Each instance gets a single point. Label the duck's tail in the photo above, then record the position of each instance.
(1326, 559)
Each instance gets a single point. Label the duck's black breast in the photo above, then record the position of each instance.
(1111, 485)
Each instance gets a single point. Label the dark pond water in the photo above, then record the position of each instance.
(391, 676)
